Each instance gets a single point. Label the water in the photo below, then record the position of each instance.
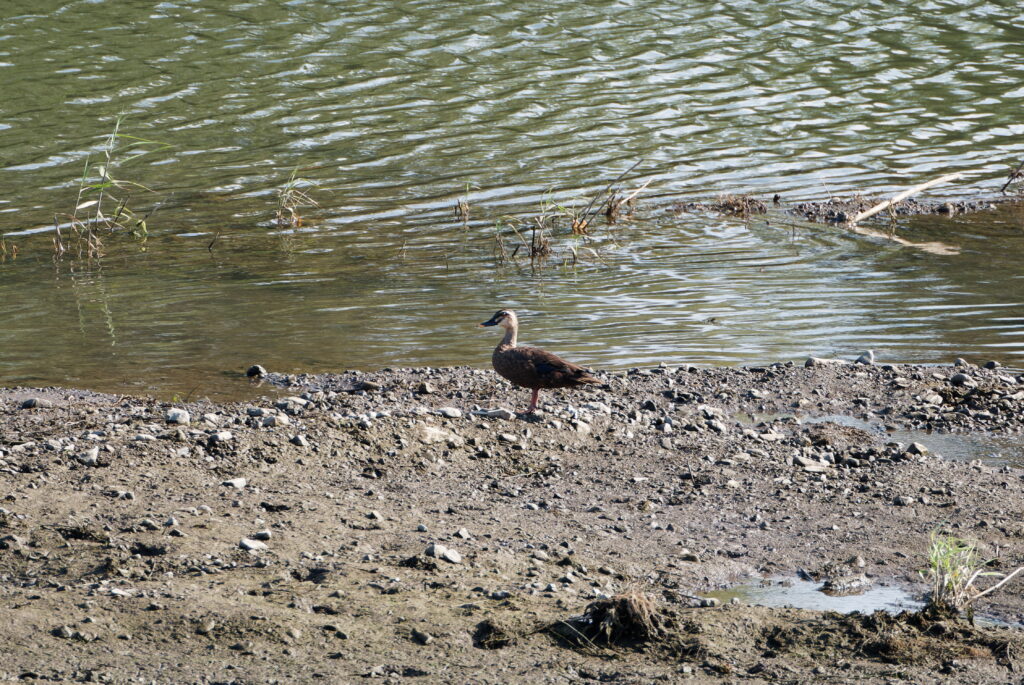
(804, 594)
(395, 110)
(797, 593)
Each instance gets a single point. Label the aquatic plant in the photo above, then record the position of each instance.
(290, 199)
(462, 208)
(99, 191)
(6, 251)
(953, 568)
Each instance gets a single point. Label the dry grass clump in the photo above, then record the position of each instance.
(628, 619)
(290, 199)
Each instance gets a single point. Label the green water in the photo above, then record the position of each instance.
(395, 110)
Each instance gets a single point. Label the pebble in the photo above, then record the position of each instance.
(275, 420)
(441, 552)
(221, 437)
(961, 379)
(450, 412)
(903, 501)
(178, 416)
(251, 545)
(425, 388)
(867, 357)
(421, 637)
(262, 535)
(299, 440)
(239, 483)
(90, 457)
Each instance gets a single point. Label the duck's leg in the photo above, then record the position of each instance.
(533, 401)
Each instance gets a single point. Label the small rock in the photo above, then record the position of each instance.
(992, 364)
(275, 420)
(961, 379)
(421, 637)
(902, 501)
(435, 549)
(463, 533)
(450, 412)
(425, 388)
(917, 448)
(250, 545)
(503, 414)
(255, 371)
(819, 361)
(299, 440)
(867, 357)
(238, 483)
(36, 403)
(221, 437)
(178, 416)
(206, 627)
(262, 535)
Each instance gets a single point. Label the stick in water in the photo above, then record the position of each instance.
(904, 195)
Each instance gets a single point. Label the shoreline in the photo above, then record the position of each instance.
(289, 537)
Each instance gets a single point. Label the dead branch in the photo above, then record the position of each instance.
(904, 195)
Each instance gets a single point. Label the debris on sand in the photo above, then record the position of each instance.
(626, 620)
(734, 205)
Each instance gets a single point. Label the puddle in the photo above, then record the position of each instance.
(796, 593)
(994, 450)
(805, 594)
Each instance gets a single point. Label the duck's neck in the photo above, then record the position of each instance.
(510, 337)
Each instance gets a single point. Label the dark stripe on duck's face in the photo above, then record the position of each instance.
(495, 320)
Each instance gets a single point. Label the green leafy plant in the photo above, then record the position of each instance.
(953, 568)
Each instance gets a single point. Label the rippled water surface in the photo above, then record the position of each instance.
(391, 112)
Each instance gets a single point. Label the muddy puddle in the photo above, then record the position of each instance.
(994, 450)
(798, 593)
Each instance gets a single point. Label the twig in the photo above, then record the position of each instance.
(585, 221)
(637, 191)
(999, 584)
(902, 196)
(1013, 177)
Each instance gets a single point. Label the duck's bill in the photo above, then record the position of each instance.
(491, 322)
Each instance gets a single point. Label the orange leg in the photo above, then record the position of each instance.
(533, 401)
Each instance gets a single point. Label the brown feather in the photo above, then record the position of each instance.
(532, 367)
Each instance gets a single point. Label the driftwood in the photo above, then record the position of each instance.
(903, 196)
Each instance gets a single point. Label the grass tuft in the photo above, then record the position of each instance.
(290, 199)
(953, 568)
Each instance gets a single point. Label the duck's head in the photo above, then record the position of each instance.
(506, 318)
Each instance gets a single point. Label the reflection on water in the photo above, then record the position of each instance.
(395, 110)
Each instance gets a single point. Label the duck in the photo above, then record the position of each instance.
(532, 367)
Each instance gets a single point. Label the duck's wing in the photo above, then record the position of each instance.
(551, 371)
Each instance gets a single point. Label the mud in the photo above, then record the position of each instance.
(396, 526)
